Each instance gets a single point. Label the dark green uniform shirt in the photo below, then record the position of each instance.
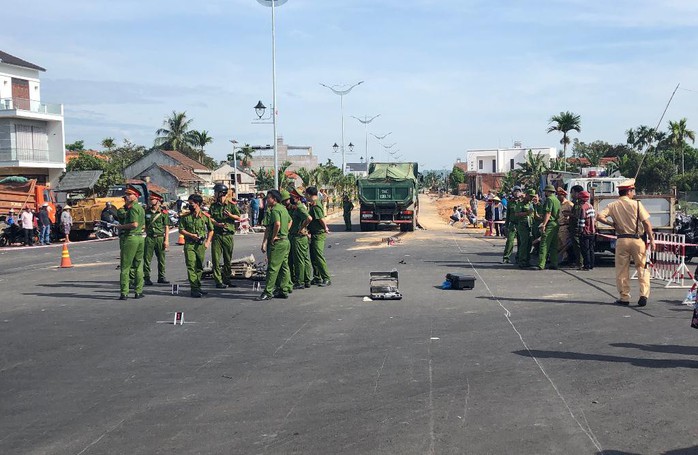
(317, 213)
(280, 214)
(576, 215)
(198, 225)
(217, 213)
(552, 206)
(298, 216)
(155, 222)
(135, 214)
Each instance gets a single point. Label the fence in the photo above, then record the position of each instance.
(667, 262)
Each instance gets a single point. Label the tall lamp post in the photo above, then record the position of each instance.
(366, 121)
(341, 91)
(235, 167)
(273, 4)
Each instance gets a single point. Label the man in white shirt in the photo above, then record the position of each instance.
(27, 220)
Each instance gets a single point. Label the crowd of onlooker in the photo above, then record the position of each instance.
(494, 216)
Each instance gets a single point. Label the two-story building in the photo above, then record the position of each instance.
(32, 135)
(486, 167)
(174, 171)
(227, 174)
(302, 156)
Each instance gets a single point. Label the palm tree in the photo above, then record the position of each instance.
(245, 155)
(175, 134)
(565, 122)
(679, 132)
(532, 169)
(305, 175)
(108, 143)
(199, 140)
(264, 179)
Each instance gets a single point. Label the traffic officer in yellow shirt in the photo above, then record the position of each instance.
(632, 224)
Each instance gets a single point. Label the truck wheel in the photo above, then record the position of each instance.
(3, 241)
(404, 227)
(366, 227)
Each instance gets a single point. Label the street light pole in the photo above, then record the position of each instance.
(366, 121)
(341, 94)
(235, 167)
(273, 4)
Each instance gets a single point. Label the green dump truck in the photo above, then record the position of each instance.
(389, 195)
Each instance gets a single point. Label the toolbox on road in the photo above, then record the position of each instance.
(461, 281)
(384, 285)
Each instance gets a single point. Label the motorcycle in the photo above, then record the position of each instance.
(15, 234)
(688, 225)
(105, 230)
(174, 218)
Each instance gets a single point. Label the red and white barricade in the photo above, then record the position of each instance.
(667, 262)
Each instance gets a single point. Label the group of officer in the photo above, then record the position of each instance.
(528, 218)
(294, 241)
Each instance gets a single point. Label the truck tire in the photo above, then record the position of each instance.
(365, 227)
(3, 241)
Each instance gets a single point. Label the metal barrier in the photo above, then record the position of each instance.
(667, 262)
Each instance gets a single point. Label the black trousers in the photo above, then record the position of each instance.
(29, 236)
(587, 244)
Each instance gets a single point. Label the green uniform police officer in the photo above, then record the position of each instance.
(223, 214)
(299, 258)
(197, 229)
(549, 228)
(513, 207)
(347, 207)
(131, 244)
(318, 231)
(523, 229)
(277, 247)
(157, 231)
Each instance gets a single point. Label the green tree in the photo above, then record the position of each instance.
(175, 133)
(199, 140)
(244, 155)
(108, 143)
(455, 178)
(264, 179)
(678, 133)
(565, 122)
(111, 173)
(531, 170)
(305, 175)
(77, 146)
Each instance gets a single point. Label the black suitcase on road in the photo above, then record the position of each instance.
(461, 281)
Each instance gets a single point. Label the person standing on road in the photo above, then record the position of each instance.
(514, 207)
(66, 222)
(223, 215)
(132, 245)
(44, 225)
(575, 216)
(524, 220)
(157, 232)
(497, 216)
(318, 232)
(179, 203)
(586, 229)
(631, 221)
(548, 229)
(299, 258)
(197, 229)
(473, 205)
(347, 207)
(564, 241)
(254, 211)
(277, 247)
(26, 219)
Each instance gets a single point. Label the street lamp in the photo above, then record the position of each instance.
(380, 138)
(341, 91)
(335, 147)
(235, 166)
(273, 4)
(366, 121)
(351, 148)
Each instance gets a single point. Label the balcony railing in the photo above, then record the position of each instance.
(19, 154)
(9, 104)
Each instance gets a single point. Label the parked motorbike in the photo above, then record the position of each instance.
(15, 234)
(688, 225)
(174, 218)
(105, 230)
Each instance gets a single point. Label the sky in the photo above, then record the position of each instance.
(445, 76)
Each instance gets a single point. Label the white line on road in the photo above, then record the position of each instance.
(507, 314)
(289, 338)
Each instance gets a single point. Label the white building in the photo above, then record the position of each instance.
(32, 136)
(501, 161)
(226, 174)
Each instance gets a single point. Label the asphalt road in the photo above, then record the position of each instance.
(526, 363)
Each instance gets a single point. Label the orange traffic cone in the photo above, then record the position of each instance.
(65, 258)
(180, 240)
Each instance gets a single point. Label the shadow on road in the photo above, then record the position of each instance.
(687, 451)
(646, 363)
(668, 349)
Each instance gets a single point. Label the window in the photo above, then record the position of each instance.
(480, 164)
(494, 166)
(511, 164)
